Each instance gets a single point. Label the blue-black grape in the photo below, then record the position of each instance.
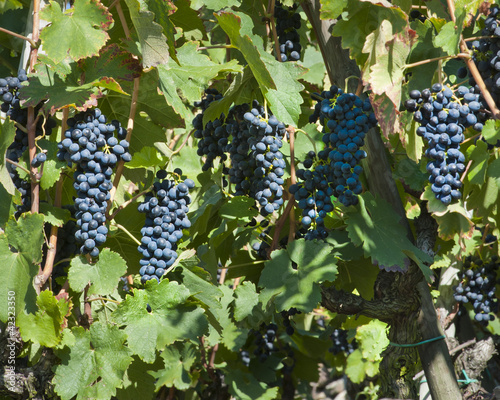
(94, 146)
(11, 105)
(442, 116)
(340, 344)
(477, 287)
(287, 23)
(166, 209)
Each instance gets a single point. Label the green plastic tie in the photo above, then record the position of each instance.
(417, 344)
(465, 381)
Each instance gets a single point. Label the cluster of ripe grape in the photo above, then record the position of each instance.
(340, 344)
(443, 115)
(477, 286)
(166, 209)
(213, 137)
(95, 147)
(11, 106)
(335, 170)
(253, 143)
(286, 314)
(287, 23)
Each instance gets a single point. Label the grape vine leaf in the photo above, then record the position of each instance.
(364, 18)
(491, 131)
(246, 298)
(239, 207)
(7, 134)
(245, 386)
(60, 92)
(52, 168)
(95, 365)
(103, 275)
(332, 9)
(20, 252)
(479, 155)
(46, 326)
(153, 43)
(178, 360)
(112, 65)
(187, 18)
(375, 227)
(163, 11)
(54, 216)
(215, 5)
(190, 77)
(173, 317)
(138, 382)
(449, 36)
(78, 32)
(148, 158)
(297, 286)
(385, 66)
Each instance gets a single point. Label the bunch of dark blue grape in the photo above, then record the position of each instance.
(214, 135)
(287, 22)
(313, 193)
(416, 14)
(340, 344)
(443, 117)
(257, 164)
(166, 209)
(11, 106)
(346, 120)
(286, 314)
(477, 286)
(265, 341)
(91, 145)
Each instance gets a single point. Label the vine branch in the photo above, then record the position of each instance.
(17, 35)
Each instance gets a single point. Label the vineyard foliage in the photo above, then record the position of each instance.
(226, 295)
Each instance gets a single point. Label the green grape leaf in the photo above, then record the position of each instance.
(54, 215)
(494, 171)
(332, 9)
(187, 18)
(78, 32)
(52, 168)
(381, 236)
(190, 77)
(449, 35)
(479, 156)
(7, 134)
(95, 363)
(163, 11)
(246, 299)
(111, 66)
(372, 339)
(386, 64)
(245, 386)
(491, 131)
(138, 382)
(171, 318)
(215, 5)
(26, 236)
(46, 326)
(292, 276)
(152, 41)
(178, 360)
(103, 276)
(239, 207)
(20, 251)
(148, 158)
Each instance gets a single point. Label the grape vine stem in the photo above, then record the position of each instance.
(416, 64)
(18, 165)
(52, 251)
(17, 35)
(473, 69)
(128, 233)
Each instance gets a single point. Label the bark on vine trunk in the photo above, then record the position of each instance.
(416, 320)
